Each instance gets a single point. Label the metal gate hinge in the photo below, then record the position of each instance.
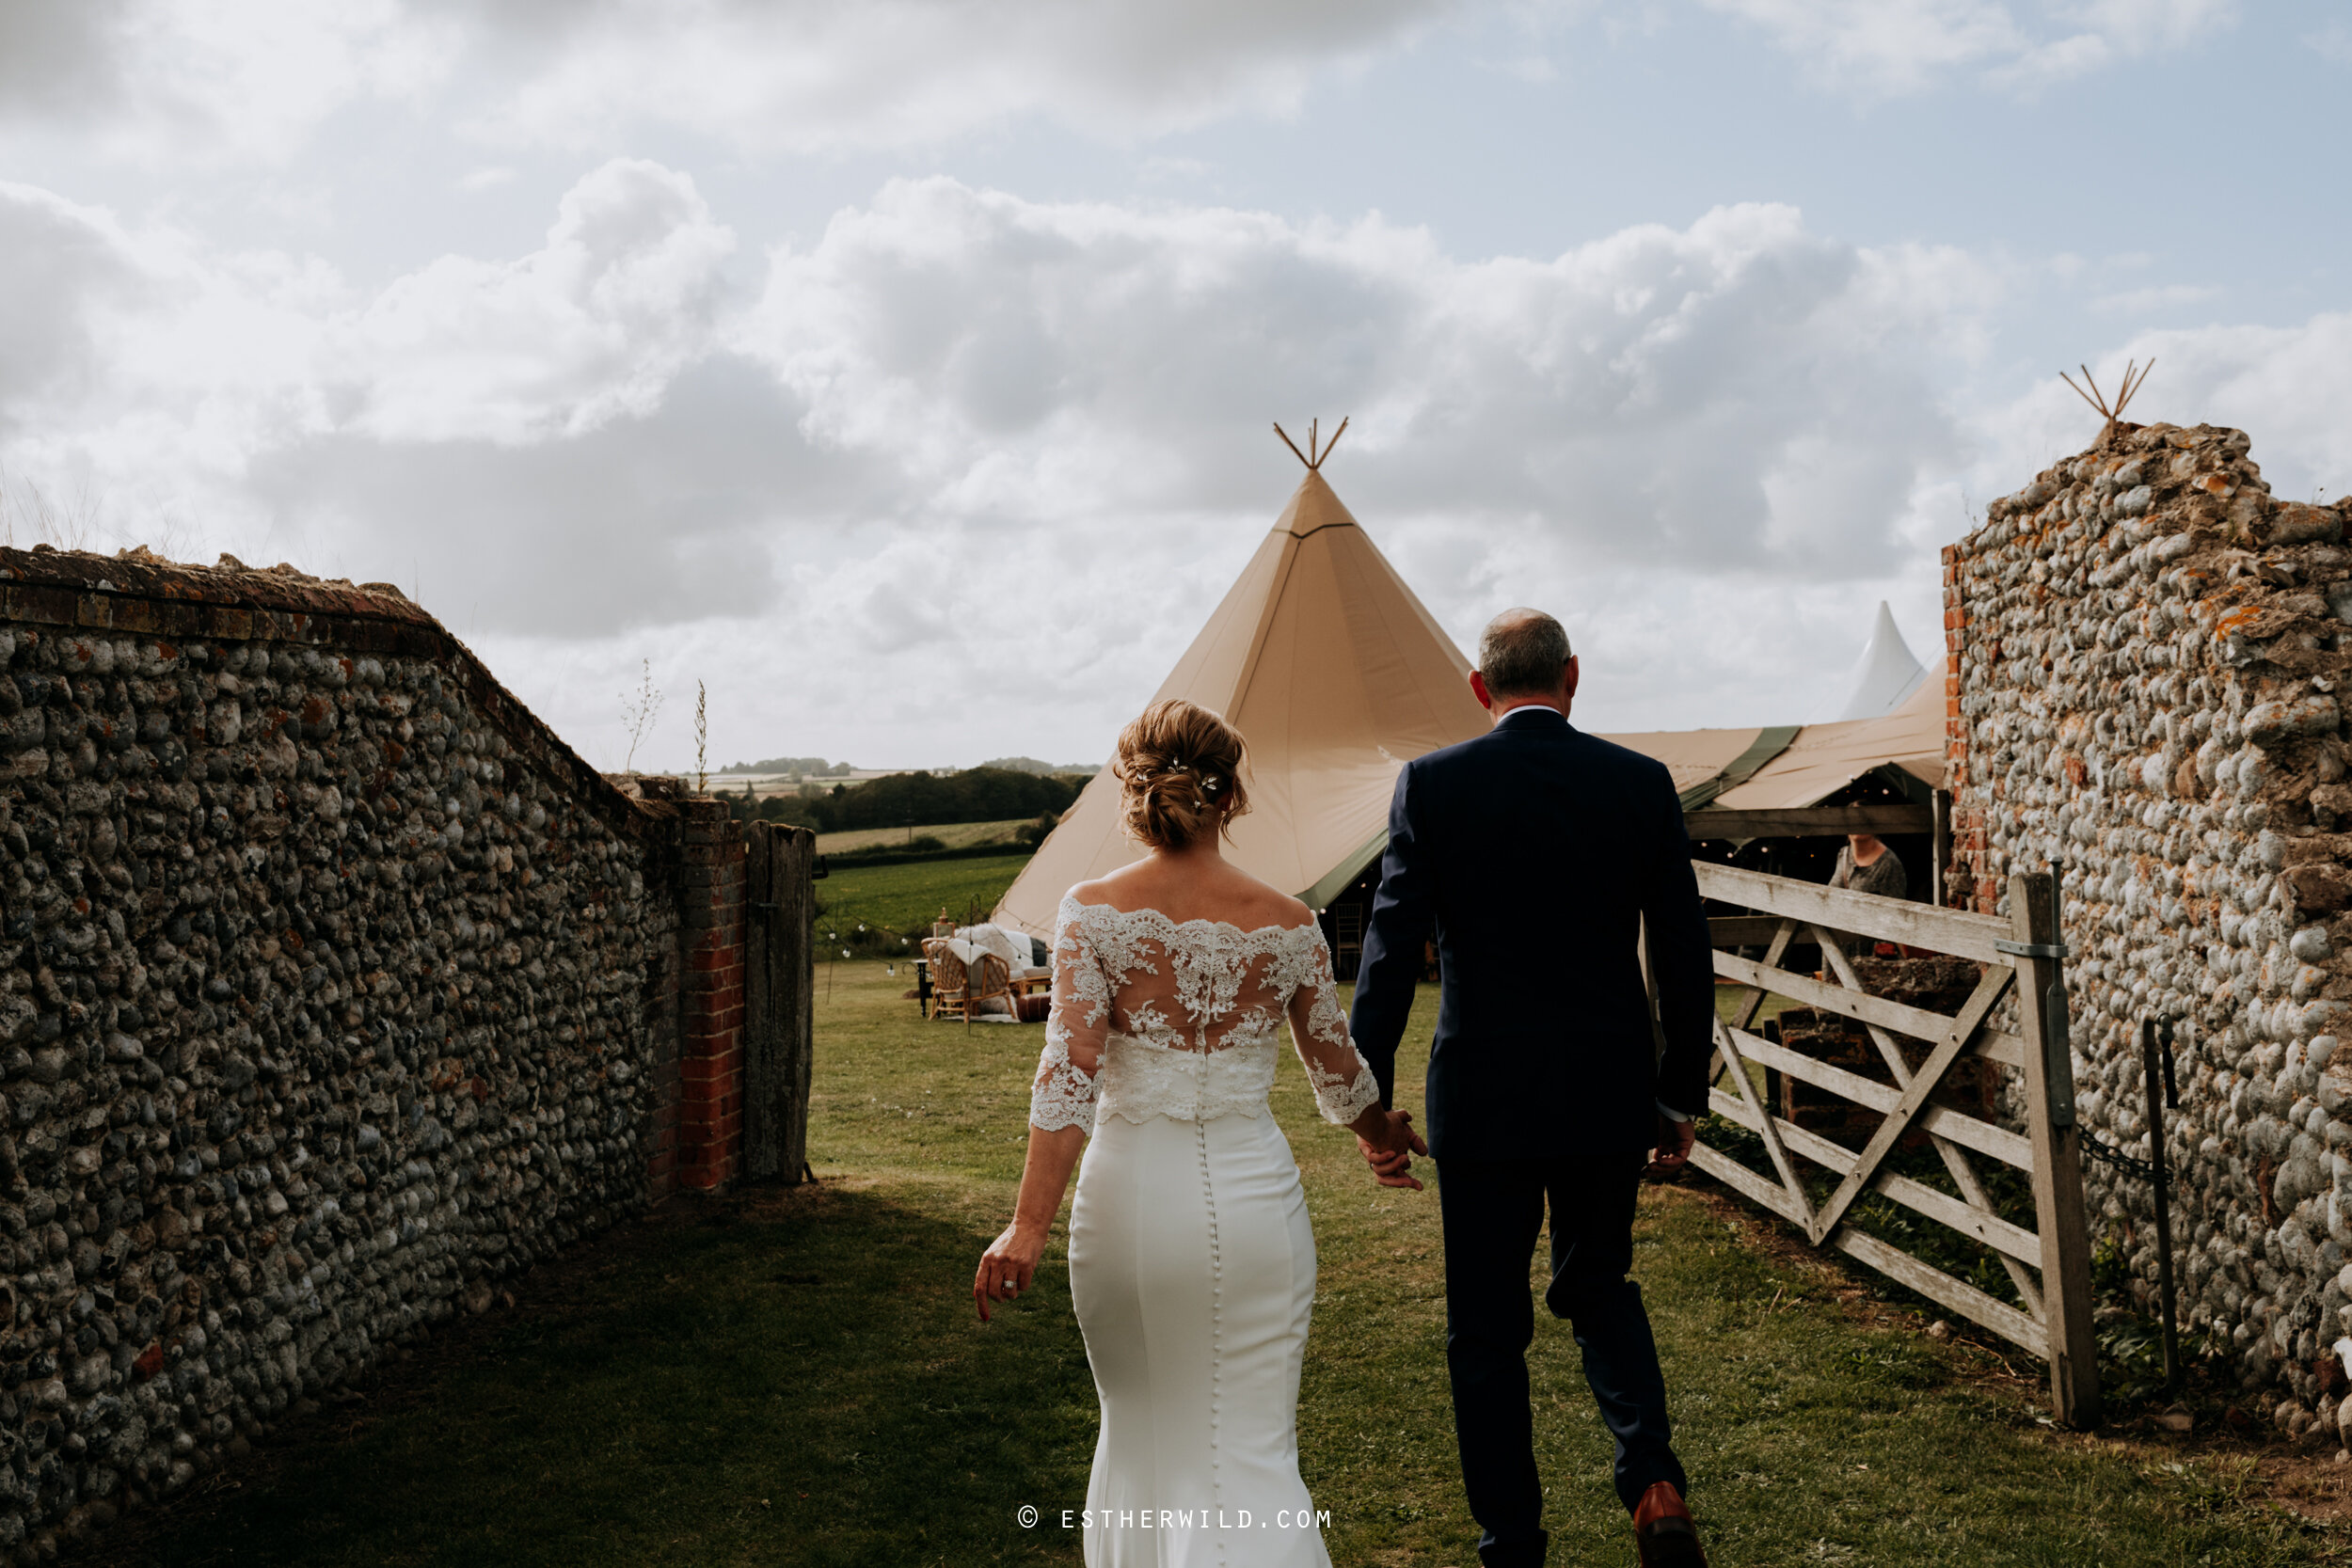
(2031, 949)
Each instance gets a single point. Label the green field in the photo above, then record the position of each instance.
(955, 836)
(899, 902)
(797, 1377)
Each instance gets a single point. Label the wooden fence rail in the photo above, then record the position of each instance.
(1715, 822)
(2048, 1265)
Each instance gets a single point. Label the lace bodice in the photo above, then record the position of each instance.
(1154, 1017)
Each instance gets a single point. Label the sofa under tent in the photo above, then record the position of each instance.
(1338, 675)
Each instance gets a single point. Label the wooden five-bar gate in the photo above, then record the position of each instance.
(2020, 957)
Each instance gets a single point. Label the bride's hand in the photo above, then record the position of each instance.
(1390, 1147)
(1007, 1267)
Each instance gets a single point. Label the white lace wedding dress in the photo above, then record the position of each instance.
(1192, 1264)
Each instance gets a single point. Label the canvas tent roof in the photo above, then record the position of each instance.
(1696, 757)
(1824, 758)
(1893, 716)
(1337, 676)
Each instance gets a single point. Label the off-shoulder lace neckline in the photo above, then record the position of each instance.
(1072, 901)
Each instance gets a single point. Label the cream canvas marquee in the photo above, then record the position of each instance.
(1336, 677)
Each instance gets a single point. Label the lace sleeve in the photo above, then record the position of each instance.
(1063, 1095)
(1342, 1080)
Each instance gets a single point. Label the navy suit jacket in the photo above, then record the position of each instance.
(1533, 854)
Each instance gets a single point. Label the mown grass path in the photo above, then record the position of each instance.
(799, 1378)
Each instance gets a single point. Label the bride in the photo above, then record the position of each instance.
(1192, 1264)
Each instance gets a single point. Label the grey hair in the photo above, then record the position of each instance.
(1520, 653)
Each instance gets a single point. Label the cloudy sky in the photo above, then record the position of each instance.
(903, 368)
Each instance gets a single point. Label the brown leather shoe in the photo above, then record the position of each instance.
(1663, 1532)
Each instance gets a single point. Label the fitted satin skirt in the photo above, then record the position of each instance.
(1192, 1266)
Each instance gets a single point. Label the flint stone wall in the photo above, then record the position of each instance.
(2148, 652)
(332, 987)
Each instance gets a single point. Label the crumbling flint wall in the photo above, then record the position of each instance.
(2148, 655)
(331, 986)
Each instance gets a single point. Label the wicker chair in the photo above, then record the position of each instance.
(957, 988)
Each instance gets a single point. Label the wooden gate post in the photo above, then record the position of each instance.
(779, 1001)
(2058, 1175)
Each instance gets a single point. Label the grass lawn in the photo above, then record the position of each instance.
(797, 1377)
(905, 898)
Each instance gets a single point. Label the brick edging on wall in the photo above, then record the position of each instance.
(710, 1032)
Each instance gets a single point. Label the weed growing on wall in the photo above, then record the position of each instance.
(702, 739)
(640, 709)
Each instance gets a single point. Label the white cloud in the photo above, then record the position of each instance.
(625, 294)
(1637, 395)
(194, 381)
(2287, 387)
(1011, 436)
(1877, 49)
(837, 73)
(1886, 46)
(173, 81)
(2331, 42)
(2159, 296)
(143, 358)
(177, 81)
(57, 261)
(968, 469)
(54, 52)
(209, 82)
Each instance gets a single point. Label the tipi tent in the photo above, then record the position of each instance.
(1334, 674)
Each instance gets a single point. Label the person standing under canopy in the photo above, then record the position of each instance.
(1865, 864)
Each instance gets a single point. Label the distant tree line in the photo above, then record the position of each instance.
(1030, 765)
(805, 768)
(911, 799)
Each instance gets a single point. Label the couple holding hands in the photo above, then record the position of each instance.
(1536, 856)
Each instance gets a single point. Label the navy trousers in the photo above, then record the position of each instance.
(1492, 1210)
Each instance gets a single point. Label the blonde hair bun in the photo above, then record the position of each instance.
(1179, 770)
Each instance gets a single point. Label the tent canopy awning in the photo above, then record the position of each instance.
(1783, 767)
(1696, 758)
(1704, 763)
(1824, 758)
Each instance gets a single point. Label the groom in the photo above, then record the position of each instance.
(1536, 855)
